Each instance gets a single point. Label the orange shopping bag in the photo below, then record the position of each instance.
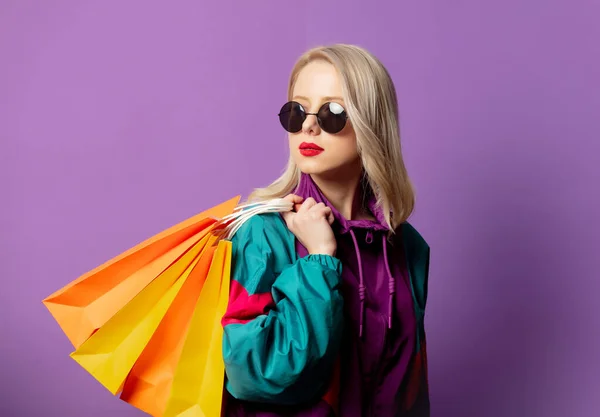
(84, 305)
(111, 352)
(149, 383)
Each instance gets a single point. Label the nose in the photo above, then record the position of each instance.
(311, 125)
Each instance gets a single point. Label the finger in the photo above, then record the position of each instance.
(288, 217)
(293, 198)
(322, 212)
(330, 217)
(307, 204)
(296, 201)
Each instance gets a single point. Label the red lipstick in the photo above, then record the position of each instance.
(310, 149)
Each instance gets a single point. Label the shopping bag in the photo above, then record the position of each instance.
(149, 383)
(197, 386)
(147, 324)
(87, 303)
(110, 353)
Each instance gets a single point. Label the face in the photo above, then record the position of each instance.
(313, 149)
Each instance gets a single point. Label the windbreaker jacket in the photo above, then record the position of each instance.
(316, 335)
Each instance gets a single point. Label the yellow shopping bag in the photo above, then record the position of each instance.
(197, 386)
(110, 353)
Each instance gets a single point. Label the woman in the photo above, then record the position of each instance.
(327, 301)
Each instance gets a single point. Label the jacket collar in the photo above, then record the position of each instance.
(307, 188)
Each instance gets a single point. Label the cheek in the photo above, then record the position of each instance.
(346, 149)
(294, 142)
(340, 150)
(346, 145)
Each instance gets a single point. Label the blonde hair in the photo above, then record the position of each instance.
(371, 103)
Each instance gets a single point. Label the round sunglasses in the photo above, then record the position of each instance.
(331, 117)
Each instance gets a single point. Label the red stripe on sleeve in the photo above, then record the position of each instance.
(243, 308)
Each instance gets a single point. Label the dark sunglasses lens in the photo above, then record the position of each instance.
(332, 117)
(292, 116)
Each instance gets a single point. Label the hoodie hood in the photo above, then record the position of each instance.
(308, 188)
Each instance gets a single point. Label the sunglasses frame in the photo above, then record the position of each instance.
(319, 120)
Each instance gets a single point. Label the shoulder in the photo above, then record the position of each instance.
(412, 239)
(267, 229)
(417, 252)
(261, 249)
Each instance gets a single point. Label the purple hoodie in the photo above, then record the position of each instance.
(382, 373)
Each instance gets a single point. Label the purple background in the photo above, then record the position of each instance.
(120, 118)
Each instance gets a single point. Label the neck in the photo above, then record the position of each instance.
(344, 193)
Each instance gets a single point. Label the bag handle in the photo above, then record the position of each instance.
(228, 226)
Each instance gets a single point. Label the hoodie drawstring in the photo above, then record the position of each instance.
(362, 287)
(361, 284)
(391, 283)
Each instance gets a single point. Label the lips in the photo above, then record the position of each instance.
(310, 146)
(310, 149)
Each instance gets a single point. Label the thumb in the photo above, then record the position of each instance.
(296, 200)
(293, 198)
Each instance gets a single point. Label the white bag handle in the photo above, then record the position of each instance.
(228, 226)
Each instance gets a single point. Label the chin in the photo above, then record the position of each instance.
(311, 166)
(318, 170)
(326, 167)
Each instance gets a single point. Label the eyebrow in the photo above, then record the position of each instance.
(325, 99)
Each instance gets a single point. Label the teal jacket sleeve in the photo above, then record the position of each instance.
(284, 321)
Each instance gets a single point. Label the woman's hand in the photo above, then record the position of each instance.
(311, 223)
